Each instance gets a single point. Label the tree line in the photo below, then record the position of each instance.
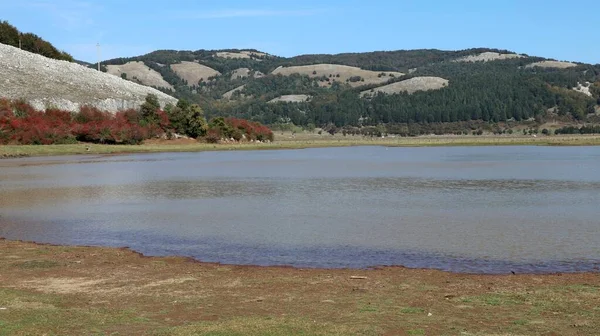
(10, 35)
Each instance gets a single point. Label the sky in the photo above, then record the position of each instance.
(562, 30)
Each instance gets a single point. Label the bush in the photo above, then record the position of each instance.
(212, 136)
(252, 130)
(21, 124)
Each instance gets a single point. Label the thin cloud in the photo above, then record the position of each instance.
(247, 13)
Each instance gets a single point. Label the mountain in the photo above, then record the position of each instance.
(44, 82)
(382, 87)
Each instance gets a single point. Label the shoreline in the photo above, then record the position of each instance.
(74, 290)
(301, 142)
(284, 266)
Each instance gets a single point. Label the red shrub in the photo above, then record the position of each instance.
(89, 113)
(21, 124)
(252, 130)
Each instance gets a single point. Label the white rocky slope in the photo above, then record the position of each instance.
(45, 82)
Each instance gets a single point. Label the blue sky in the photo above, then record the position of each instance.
(564, 30)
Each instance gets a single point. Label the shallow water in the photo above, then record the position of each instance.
(464, 209)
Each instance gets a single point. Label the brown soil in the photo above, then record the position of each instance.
(118, 290)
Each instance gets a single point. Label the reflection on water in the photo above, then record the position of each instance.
(483, 209)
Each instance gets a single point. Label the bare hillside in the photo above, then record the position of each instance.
(193, 72)
(339, 73)
(487, 56)
(552, 64)
(140, 72)
(46, 82)
(241, 54)
(228, 94)
(299, 98)
(245, 72)
(584, 88)
(410, 86)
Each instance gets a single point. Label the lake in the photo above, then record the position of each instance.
(462, 209)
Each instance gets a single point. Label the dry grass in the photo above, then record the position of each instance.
(193, 72)
(82, 291)
(141, 72)
(229, 94)
(241, 54)
(409, 86)
(344, 72)
(487, 56)
(299, 141)
(291, 98)
(552, 64)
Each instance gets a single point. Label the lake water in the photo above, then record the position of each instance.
(464, 209)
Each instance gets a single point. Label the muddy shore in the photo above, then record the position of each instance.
(72, 290)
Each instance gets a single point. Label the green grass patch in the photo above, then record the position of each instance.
(412, 310)
(496, 299)
(368, 309)
(36, 264)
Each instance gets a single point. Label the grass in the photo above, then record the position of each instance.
(250, 326)
(301, 141)
(412, 310)
(32, 264)
(31, 313)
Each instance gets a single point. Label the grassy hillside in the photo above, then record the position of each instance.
(489, 85)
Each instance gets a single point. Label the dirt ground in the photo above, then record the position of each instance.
(64, 290)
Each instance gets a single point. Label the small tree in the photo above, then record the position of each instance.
(149, 108)
(196, 123)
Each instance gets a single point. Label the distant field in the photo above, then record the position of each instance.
(487, 56)
(552, 64)
(291, 98)
(409, 86)
(228, 94)
(339, 73)
(141, 72)
(302, 140)
(193, 72)
(241, 54)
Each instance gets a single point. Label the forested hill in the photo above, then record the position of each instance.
(369, 89)
(11, 36)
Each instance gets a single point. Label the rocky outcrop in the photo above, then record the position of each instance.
(45, 82)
